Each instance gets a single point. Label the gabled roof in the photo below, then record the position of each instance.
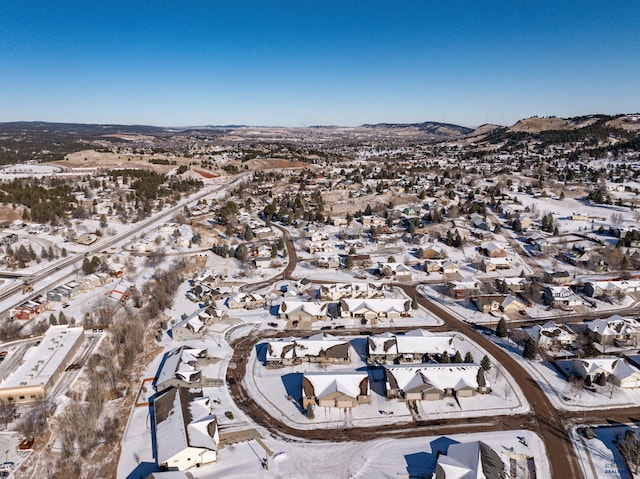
(417, 341)
(377, 305)
(315, 308)
(471, 460)
(183, 420)
(613, 326)
(440, 376)
(615, 366)
(179, 363)
(348, 383)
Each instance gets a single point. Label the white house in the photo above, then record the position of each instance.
(335, 389)
(469, 460)
(186, 429)
(413, 346)
(615, 370)
(434, 381)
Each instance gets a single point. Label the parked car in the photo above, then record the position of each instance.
(26, 443)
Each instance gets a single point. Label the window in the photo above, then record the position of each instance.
(21, 397)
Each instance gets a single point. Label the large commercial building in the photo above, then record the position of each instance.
(42, 366)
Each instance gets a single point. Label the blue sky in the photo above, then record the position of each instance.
(312, 62)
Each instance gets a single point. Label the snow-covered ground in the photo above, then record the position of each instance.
(279, 391)
(599, 456)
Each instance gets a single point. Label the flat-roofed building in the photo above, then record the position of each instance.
(42, 366)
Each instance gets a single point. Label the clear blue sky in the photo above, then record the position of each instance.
(311, 62)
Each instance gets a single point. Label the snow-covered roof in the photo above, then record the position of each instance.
(440, 376)
(613, 326)
(313, 345)
(616, 366)
(415, 341)
(546, 333)
(468, 282)
(183, 420)
(179, 363)
(470, 460)
(378, 305)
(41, 363)
(281, 349)
(315, 308)
(344, 382)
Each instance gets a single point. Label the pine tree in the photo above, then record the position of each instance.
(529, 349)
(457, 358)
(501, 329)
(468, 358)
(485, 363)
(444, 358)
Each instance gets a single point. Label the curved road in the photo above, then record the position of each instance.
(543, 419)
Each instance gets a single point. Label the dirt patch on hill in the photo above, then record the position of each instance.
(97, 159)
(271, 163)
(8, 214)
(205, 174)
(536, 125)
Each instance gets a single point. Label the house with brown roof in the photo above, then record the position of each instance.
(335, 389)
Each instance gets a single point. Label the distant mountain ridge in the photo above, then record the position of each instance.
(434, 128)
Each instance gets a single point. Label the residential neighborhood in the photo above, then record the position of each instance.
(386, 290)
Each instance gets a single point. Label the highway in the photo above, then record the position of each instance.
(103, 244)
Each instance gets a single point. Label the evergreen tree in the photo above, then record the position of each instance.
(457, 358)
(529, 349)
(444, 358)
(501, 329)
(485, 363)
(348, 262)
(468, 358)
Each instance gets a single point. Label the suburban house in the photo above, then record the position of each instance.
(512, 304)
(441, 266)
(303, 310)
(515, 285)
(560, 296)
(557, 277)
(399, 271)
(493, 250)
(194, 325)
(319, 348)
(551, 335)
(602, 370)
(493, 264)
(336, 389)
(334, 292)
(416, 382)
(328, 261)
(614, 331)
(468, 287)
(414, 346)
(612, 288)
(186, 430)
(178, 368)
(322, 247)
(469, 460)
(375, 308)
(121, 291)
(246, 300)
(361, 260)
